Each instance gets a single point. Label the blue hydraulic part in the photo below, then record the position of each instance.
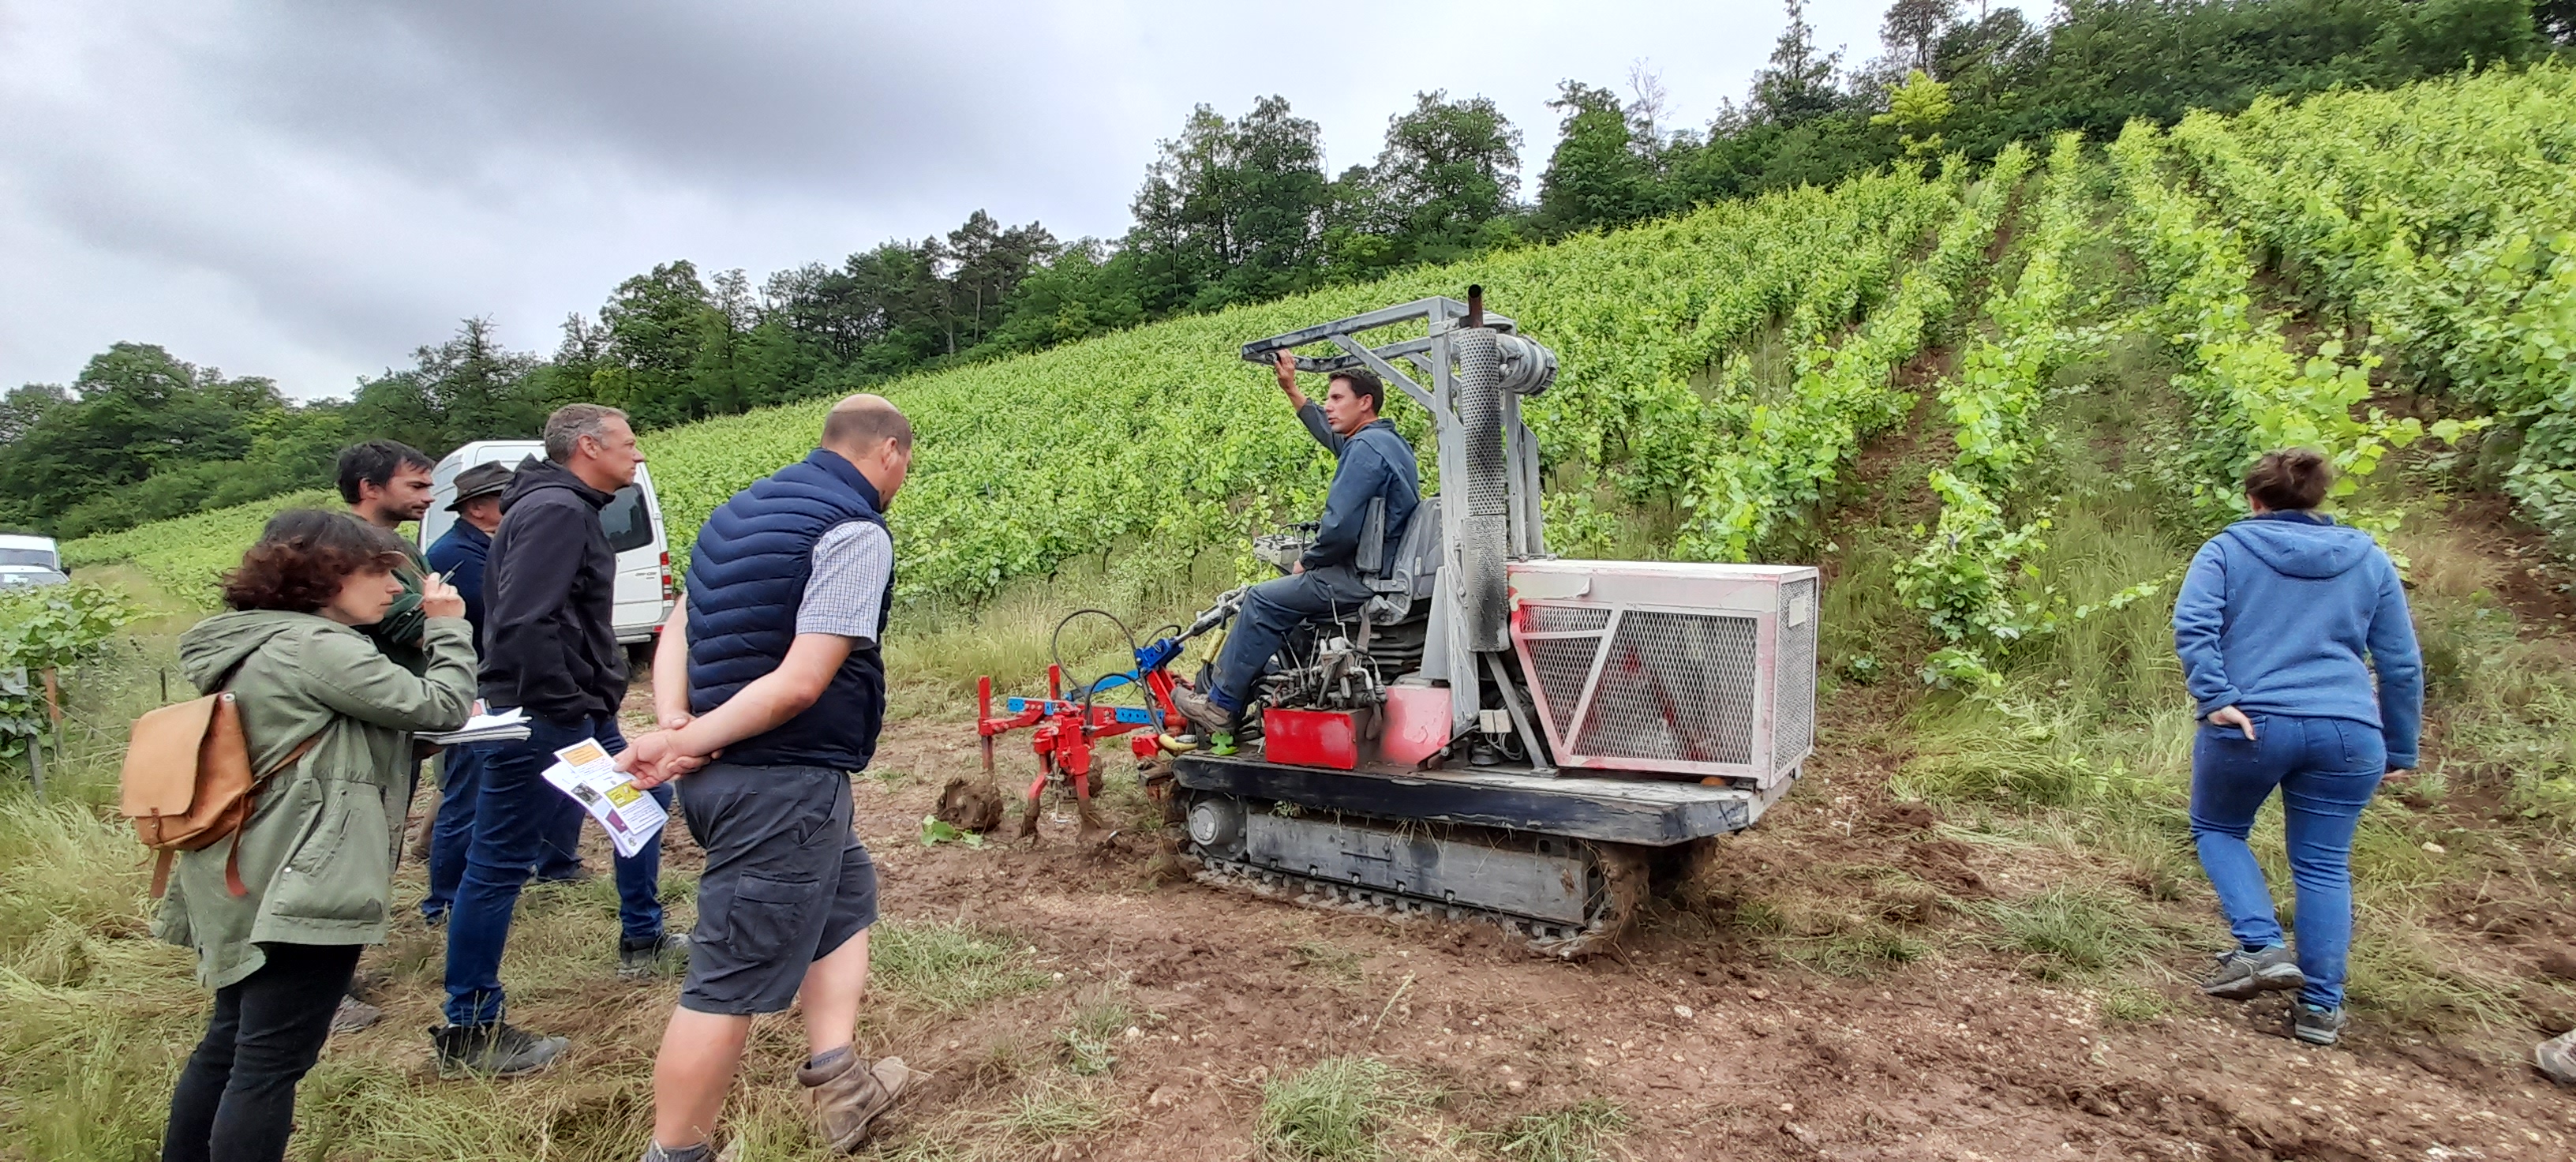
(1130, 715)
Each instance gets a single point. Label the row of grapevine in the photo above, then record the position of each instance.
(2247, 388)
(1161, 438)
(184, 556)
(1777, 455)
(2443, 214)
(1968, 577)
(47, 628)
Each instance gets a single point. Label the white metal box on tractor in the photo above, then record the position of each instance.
(1670, 667)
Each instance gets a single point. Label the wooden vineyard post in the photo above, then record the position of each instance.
(54, 706)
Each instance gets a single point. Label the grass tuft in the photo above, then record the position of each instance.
(949, 967)
(1334, 1111)
(2072, 931)
(1052, 1110)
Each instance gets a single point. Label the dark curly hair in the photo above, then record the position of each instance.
(303, 556)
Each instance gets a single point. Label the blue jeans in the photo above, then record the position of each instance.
(2327, 770)
(560, 856)
(1270, 611)
(460, 776)
(511, 814)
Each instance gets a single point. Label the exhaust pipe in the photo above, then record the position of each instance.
(1484, 589)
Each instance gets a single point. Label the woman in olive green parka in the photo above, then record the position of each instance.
(317, 854)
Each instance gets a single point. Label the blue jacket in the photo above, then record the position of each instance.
(460, 555)
(2276, 616)
(1374, 462)
(747, 576)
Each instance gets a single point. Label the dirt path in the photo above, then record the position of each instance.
(1711, 1047)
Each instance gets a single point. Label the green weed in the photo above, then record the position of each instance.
(1091, 1036)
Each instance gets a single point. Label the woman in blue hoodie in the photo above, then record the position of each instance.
(2282, 620)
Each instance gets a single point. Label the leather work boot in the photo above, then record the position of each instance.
(846, 1096)
(496, 1050)
(1202, 713)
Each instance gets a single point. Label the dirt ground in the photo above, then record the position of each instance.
(1713, 1048)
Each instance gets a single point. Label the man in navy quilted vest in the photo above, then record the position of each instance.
(775, 662)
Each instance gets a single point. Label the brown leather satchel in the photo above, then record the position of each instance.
(187, 782)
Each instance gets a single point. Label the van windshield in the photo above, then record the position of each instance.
(39, 558)
(628, 523)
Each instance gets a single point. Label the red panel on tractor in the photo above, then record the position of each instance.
(1310, 738)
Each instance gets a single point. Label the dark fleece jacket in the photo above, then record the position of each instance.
(550, 600)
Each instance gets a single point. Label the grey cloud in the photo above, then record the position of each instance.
(311, 190)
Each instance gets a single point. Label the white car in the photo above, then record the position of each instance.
(30, 560)
(633, 520)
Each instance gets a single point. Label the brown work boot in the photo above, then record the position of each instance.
(1202, 713)
(846, 1096)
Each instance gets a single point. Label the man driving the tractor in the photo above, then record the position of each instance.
(1375, 464)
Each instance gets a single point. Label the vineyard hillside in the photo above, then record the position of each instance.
(1999, 405)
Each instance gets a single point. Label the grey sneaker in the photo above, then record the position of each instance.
(2557, 1058)
(2241, 974)
(2317, 1026)
(1201, 712)
(353, 1015)
(497, 1049)
(636, 960)
(653, 1152)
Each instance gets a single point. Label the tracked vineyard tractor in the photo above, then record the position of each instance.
(1497, 734)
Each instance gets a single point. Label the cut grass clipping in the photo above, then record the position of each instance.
(1576, 1133)
(1334, 1111)
(950, 967)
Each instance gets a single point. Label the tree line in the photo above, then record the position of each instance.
(1236, 210)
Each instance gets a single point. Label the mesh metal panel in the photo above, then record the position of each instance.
(1561, 664)
(1794, 727)
(1565, 618)
(1676, 686)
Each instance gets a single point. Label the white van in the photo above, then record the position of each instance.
(30, 560)
(633, 520)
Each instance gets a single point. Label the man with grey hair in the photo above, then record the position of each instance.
(550, 649)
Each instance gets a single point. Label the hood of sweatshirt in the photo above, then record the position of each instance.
(2315, 548)
(537, 476)
(211, 648)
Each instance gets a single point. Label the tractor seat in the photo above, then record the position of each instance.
(1404, 581)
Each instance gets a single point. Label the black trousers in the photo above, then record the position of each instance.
(236, 1098)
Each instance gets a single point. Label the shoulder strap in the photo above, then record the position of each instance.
(289, 760)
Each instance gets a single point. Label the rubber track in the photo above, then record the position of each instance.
(1623, 870)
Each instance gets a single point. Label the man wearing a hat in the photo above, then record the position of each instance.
(460, 556)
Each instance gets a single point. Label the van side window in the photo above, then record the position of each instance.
(628, 523)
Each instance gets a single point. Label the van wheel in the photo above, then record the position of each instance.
(639, 660)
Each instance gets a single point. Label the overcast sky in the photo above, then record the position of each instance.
(310, 191)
